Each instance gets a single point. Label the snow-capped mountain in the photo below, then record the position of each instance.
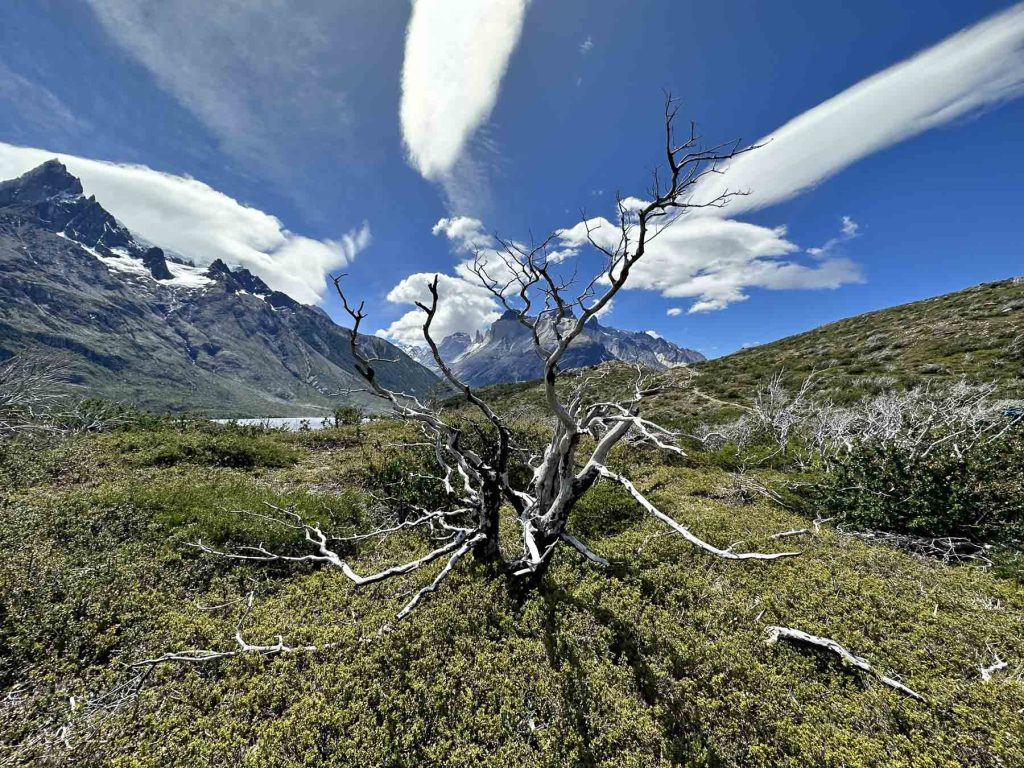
(505, 352)
(138, 325)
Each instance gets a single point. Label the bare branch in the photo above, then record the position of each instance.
(728, 554)
(799, 636)
(584, 550)
(243, 646)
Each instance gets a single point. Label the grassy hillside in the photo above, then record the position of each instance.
(660, 661)
(977, 332)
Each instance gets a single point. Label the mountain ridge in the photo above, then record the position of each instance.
(138, 326)
(506, 352)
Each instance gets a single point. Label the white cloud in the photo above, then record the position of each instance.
(462, 306)
(456, 54)
(190, 217)
(465, 232)
(850, 227)
(266, 78)
(465, 305)
(653, 334)
(468, 236)
(848, 231)
(606, 310)
(976, 69)
(715, 260)
(587, 45)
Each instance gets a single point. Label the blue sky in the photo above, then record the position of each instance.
(517, 115)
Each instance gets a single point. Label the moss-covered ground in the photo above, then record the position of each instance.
(659, 661)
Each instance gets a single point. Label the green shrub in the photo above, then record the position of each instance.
(977, 494)
(402, 478)
(605, 510)
(347, 415)
(227, 447)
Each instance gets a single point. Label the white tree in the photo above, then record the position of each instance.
(526, 281)
(31, 388)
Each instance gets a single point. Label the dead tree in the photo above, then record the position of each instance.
(528, 281)
(31, 388)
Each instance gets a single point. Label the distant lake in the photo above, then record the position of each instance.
(291, 423)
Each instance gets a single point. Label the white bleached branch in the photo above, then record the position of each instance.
(798, 636)
(242, 646)
(584, 550)
(682, 530)
(997, 665)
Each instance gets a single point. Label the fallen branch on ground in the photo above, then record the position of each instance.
(798, 636)
(950, 550)
(787, 534)
(997, 664)
(198, 656)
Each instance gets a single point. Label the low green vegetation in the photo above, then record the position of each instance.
(658, 660)
(240, 448)
(976, 494)
(977, 333)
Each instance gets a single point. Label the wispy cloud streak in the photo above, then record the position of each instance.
(974, 70)
(265, 78)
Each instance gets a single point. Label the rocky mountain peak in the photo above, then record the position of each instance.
(49, 180)
(236, 280)
(218, 269)
(54, 198)
(138, 324)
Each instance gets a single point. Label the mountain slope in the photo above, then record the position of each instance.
(505, 352)
(976, 333)
(141, 328)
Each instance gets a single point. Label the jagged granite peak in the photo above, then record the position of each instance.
(450, 348)
(138, 327)
(51, 179)
(218, 269)
(506, 351)
(239, 279)
(54, 199)
(454, 345)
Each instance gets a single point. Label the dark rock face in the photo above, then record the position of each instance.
(506, 351)
(49, 181)
(237, 280)
(157, 264)
(53, 199)
(222, 343)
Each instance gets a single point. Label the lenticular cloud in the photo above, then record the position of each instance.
(976, 69)
(456, 54)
